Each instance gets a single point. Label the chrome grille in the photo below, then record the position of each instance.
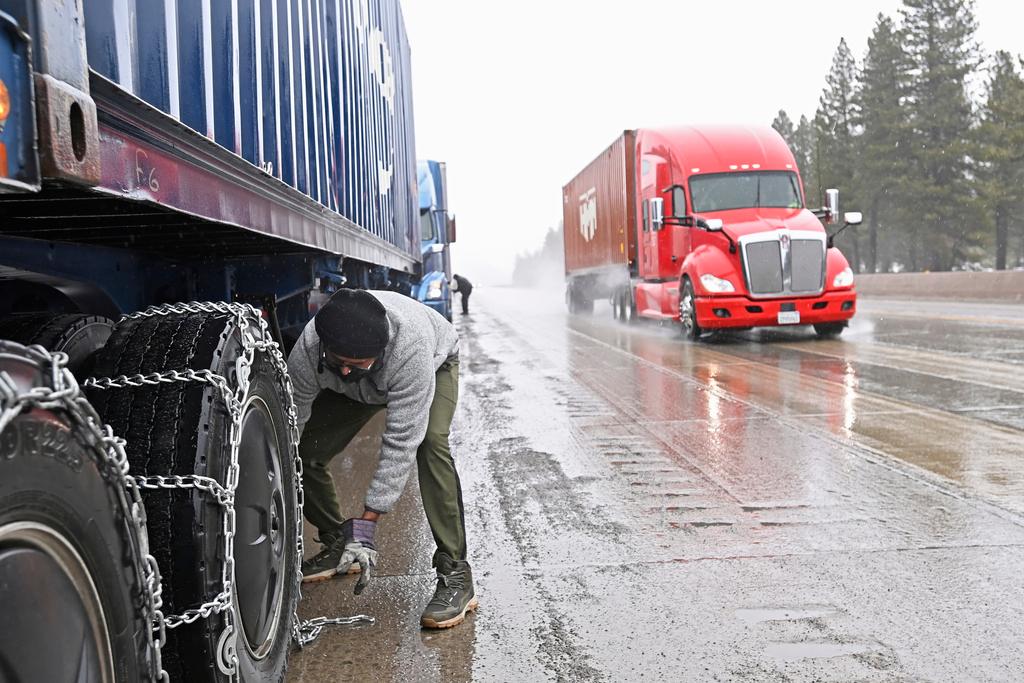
(783, 263)
(764, 267)
(806, 258)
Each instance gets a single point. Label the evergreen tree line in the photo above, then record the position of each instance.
(544, 267)
(937, 171)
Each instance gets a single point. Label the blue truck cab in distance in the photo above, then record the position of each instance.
(437, 233)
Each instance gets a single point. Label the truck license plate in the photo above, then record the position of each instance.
(789, 317)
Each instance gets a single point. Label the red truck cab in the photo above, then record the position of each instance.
(722, 237)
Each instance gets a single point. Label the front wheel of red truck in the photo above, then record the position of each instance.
(829, 330)
(688, 312)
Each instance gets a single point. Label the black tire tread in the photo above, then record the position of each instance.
(52, 331)
(155, 421)
(170, 429)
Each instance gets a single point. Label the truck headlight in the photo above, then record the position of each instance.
(716, 284)
(434, 290)
(844, 279)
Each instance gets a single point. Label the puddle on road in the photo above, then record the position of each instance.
(792, 652)
(762, 614)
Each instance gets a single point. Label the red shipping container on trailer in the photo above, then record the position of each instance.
(599, 220)
(596, 238)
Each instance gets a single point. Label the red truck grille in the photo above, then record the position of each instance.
(781, 265)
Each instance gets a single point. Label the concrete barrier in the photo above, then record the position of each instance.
(1002, 286)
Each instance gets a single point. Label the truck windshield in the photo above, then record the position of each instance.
(426, 225)
(723, 191)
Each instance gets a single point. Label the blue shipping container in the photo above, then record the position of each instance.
(317, 93)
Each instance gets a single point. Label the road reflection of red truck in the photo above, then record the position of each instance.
(707, 226)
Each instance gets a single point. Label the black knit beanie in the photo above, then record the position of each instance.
(353, 324)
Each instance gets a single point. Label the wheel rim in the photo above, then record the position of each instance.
(686, 312)
(40, 569)
(261, 530)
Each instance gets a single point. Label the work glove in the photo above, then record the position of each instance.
(359, 548)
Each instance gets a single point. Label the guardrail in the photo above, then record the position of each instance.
(1005, 286)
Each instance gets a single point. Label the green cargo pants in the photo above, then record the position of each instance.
(336, 419)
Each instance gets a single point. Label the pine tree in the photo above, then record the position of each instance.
(784, 126)
(940, 40)
(835, 126)
(804, 149)
(885, 137)
(1001, 151)
(800, 141)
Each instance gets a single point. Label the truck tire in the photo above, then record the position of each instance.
(580, 304)
(79, 335)
(72, 573)
(183, 428)
(829, 330)
(688, 312)
(629, 315)
(623, 307)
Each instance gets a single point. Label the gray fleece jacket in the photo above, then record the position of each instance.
(420, 340)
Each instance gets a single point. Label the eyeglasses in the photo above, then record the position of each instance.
(332, 364)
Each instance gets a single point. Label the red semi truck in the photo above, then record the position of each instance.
(736, 246)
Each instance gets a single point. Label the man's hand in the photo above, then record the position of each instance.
(359, 548)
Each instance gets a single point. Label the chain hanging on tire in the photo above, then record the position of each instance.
(64, 394)
(254, 336)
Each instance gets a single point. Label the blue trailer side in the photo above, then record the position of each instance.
(437, 228)
(229, 145)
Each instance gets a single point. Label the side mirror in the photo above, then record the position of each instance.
(832, 204)
(657, 213)
(716, 225)
(852, 218)
(451, 229)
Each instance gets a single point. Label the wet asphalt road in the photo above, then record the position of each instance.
(767, 507)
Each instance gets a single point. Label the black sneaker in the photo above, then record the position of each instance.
(325, 564)
(453, 597)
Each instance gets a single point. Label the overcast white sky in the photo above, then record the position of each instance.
(518, 96)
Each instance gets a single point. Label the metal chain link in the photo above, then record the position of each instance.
(254, 336)
(63, 393)
(244, 317)
(311, 628)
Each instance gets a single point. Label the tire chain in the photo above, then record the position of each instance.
(247, 319)
(64, 394)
